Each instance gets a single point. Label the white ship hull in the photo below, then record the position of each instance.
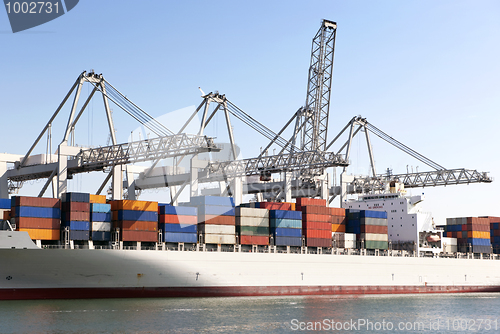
(84, 273)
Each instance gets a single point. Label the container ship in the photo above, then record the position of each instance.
(83, 247)
(287, 240)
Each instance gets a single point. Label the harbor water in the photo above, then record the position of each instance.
(458, 313)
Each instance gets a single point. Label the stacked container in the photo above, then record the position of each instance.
(495, 233)
(286, 227)
(370, 228)
(4, 208)
(40, 217)
(216, 219)
(137, 220)
(178, 223)
(252, 225)
(100, 220)
(338, 220)
(75, 214)
(472, 233)
(316, 222)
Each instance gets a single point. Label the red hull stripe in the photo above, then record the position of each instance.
(232, 291)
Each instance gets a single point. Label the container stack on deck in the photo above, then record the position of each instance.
(316, 222)
(75, 214)
(495, 233)
(40, 217)
(472, 233)
(137, 220)
(252, 225)
(370, 228)
(100, 218)
(285, 226)
(178, 223)
(216, 219)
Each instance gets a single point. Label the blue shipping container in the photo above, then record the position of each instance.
(78, 235)
(178, 210)
(148, 216)
(37, 212)
(284, 214)
(180, 237)
(479, 242)
(76, 197)
(353, 226)
(212, 200)
(372, 214)
(287, 241)
(216, 210)
(5, 203)
(285, 232)
(179, 228)
(77, 225)
(496, 226)
(286, 223)
(101, 236)
(100, 217)
(98, 207)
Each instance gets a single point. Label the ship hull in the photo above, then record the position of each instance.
(64, 273)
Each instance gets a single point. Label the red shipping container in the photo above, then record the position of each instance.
(337, 212)
(175, 219)
(6, 215)
(308, 225)
(39, 223)
(143, 236)
(254, 240)
(75, 206)
(77, 216)
(322, 234)
(216, 220)
(374, 229)
(318, 210)
(38, 202)
(492, 219)
(318, 242)
(275, 206)
(338, 220)
(304, 201)
(132, 225)
(316, 218)
(496, 233)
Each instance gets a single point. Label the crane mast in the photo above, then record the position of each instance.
(312, 124)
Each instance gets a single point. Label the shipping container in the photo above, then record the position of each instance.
(35, 201)
(285, 223)
(372, 244)
(253, 230)
(37, 212)
(319, 242)
(180, 237)
(252, 221)
(77, 225)
(100, 216)
(305, 201)
(174, 219)
(79, 235)
(374, 229)
(373, 237)
(216, 210)
(337, 212)
(282, 214)
(101, 236)
(216, 220)
(101, 226)
(42, 234)
(131, 205)
(316, 210)
(75, 206)
(177, 210)
(5, 203)
(99, 207)
(143, 236)
(227, 239)
(272, 205)
(76, 197)
(320, 234)
(76, 215)
(137, 225)
(6, 214)
(179, 228)
(37, 223)
(216, 229)
(316, 226)
(286, 232)
(338, 228)
(316, 218)
(98, 199)
(251, 212)
(338, 220)
(287, 241)
(138, 215)
(254, 240)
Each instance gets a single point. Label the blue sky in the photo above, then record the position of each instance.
(425, 72)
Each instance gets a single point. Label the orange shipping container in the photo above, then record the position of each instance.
(292, 205)
(6, 215)
(175, 219)
(134, 205)
(37, 223)
(338, 228)
(42, 234)
(132, 225)
(303, 201)
(216, 220)
(322, 234)
(316, 225)
(316, 218)
(374, 229)
(98, 199)
(254, 240)
(144, 236)
(337, 212)
(318, 210)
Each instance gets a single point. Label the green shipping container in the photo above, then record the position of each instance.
(253, 230)
(370, 244)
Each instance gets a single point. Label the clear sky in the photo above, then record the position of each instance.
(425, 72)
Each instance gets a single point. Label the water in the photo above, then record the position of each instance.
(477, 313)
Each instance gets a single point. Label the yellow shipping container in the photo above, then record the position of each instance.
(100, 199)
(478, 234)
(338, 228)
(134, 205)
(42, 234)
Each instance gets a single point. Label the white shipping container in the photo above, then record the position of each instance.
(374, 237)
(217, 229)
(252, 212)
(101, 226)
(252, 221)
(350, 236)
(220, 239)
(449, 241)
(349, 244)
